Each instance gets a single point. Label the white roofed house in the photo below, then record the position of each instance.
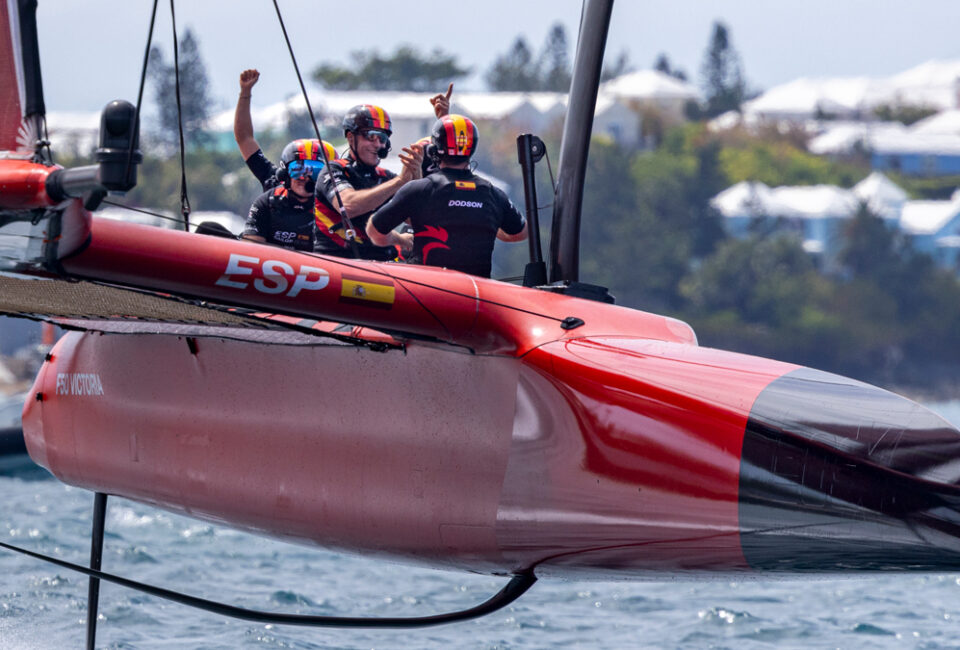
(817, 216)
(526, 111)
(932, 85)
(412, 115)
(882, 197)
(659, 101)
(805, 99)
(814, 214)
(653, 89)
(933, 227)
(843, 139)
(916, 154)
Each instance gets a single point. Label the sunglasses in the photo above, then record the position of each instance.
(304, 168)
(375, 135)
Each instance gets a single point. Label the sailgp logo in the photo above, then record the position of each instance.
(79, 383)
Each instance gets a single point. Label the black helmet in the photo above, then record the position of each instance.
(455, 135)
(367, 117)
(370, 121)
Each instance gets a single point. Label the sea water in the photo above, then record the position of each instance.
(42, 606)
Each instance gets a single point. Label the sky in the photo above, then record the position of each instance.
(92, 50)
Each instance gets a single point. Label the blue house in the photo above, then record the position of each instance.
(814, 214)
(916, 154)
(934, 228)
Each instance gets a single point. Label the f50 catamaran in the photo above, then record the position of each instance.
(426, 415)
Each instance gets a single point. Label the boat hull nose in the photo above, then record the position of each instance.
(837, 475)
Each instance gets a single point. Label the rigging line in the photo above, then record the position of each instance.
(158, 215)
(349, 233)
(426, 309)
(143, 79)
(402, 281)
(517, 586)
(553, 183)
(184, 200)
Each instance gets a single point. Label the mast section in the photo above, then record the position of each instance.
(577, 127)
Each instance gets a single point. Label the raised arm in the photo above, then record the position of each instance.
(441, 102)
(242, 122)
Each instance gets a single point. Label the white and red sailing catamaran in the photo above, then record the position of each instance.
(431, 416)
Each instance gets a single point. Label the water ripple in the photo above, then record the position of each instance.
(875, 630)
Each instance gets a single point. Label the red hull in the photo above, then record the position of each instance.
(486, 463)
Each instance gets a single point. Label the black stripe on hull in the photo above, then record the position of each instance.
(837, 475)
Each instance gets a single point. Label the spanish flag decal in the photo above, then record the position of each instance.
(465, 185)
(378, 293)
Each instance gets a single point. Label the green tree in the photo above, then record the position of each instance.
(647, 220)
(722, 77)
(906, 114)
(554, 62)
(763, 280)
(405, 69)
(870, 250)
(515, 70)
(662, 64)
(777, 162)
(194, 94)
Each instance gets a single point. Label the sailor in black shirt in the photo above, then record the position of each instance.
(284, 215)
(257, 162)
(280, 216)
(361, 184)
(456, 215)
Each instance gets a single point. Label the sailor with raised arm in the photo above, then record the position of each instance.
(257, 162)
(456, 215)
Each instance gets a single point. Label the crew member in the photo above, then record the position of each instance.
(455, 214)
(259, 164)
(283, 215)
(362, 185)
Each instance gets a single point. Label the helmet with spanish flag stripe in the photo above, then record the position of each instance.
(367, 117)
(304, 158)
(455, 135)
(371, 122)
